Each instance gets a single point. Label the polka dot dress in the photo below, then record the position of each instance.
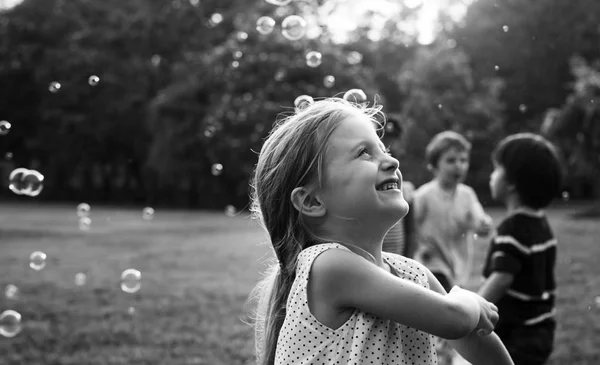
(363, 339)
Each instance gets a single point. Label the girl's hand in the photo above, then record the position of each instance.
(485, 226)
(488, 312)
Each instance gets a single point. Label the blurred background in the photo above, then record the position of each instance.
(164, 104)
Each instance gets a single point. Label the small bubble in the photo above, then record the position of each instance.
(505, 28)
(216, 169)
(131, 281)
(93, 80)
(293, 27)
(241, 36)
(80, 279)
(329, 81)
(83, 210)
(15, 180)
(355, 96)
(451, 43)
(156, 60)
(230, 211)
(439, 106)
(522, 108)
(131, 311)
(279, 75)
(148, 214)
(354, 58)
(85, 223)
(33, 183)
(8, 156)
(313, 59)
(496, 67)
(279, 2)
(238, 54)
(10, 323)
(4, 127)
(11, 291)
(37, 260)
(216, 18)
(565, 195)
(265, 25)
(194, 2)
(54, 87)
(235, 64)
(210, 131)
(303, 101)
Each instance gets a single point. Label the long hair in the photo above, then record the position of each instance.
(292, 156)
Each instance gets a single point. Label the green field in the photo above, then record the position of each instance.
(197, 269)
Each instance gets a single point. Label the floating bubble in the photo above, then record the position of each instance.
(216, 169)
(238, 54)
(355, 96)
(54, 86)
(33, 183)
(505, 28)
(451, 43)
(11, 291)
(85, 223)
(303, 101)
(131, 311)
(15, 180)
(148, 214)
(329, 81)
(293, 27)
(265, 25)
(241, 36)
(216, 19)
(354, 58)
(230, 211)
(279, 75)
(4, 127)
(37, 260)
(194, 2)
(83, 210)
(522, 108)
(440, 106)
(313, 59)
(279, 2)
(235, 64)
(8, 156)
(93, 80)
(156, 60)
(390, 128)
(10, 323)
(496, 68)
(131, 281)
(80, 279)
(210, 131)
(565, 195)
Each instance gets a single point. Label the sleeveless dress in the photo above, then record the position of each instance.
(363, 339)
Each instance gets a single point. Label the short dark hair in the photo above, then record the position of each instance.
(442, 142)
(532, 164)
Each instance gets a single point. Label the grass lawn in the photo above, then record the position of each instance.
(197, 269)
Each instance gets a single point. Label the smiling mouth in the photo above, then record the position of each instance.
(388, 186)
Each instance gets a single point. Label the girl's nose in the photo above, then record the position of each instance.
(391, 163)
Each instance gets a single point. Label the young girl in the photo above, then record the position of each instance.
(327, 192)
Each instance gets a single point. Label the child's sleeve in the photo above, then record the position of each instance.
(507, 253)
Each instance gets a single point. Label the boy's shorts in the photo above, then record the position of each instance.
(531, 345)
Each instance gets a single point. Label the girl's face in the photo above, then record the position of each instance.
(452, 166)
(361, 181)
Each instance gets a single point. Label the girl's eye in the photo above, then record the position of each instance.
(362, 151)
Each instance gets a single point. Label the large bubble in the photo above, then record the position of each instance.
(293, 27)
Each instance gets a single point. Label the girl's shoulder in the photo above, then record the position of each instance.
(407, 268)
(309, 254)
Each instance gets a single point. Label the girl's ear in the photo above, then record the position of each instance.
(307, 203)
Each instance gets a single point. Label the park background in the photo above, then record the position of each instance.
(184, 86)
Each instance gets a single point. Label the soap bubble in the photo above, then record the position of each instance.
(355, 96)
(54, 87)
(230, 211)
(33, 183)
(216, 169)
(303, 101)
(329, 81)
(148, 214)
(10, 323)
(265, 25)
(313, 59)
(279, 2)
(85, 223)
(4, 127)
(15, 180)
(80, 279)
(83, 210)
(93, 80)
(293, 27)
(131, 281)
(11, 291)
(37, 260)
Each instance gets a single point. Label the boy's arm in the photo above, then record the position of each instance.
(496, 285)
(482, 222)
(474, 348)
